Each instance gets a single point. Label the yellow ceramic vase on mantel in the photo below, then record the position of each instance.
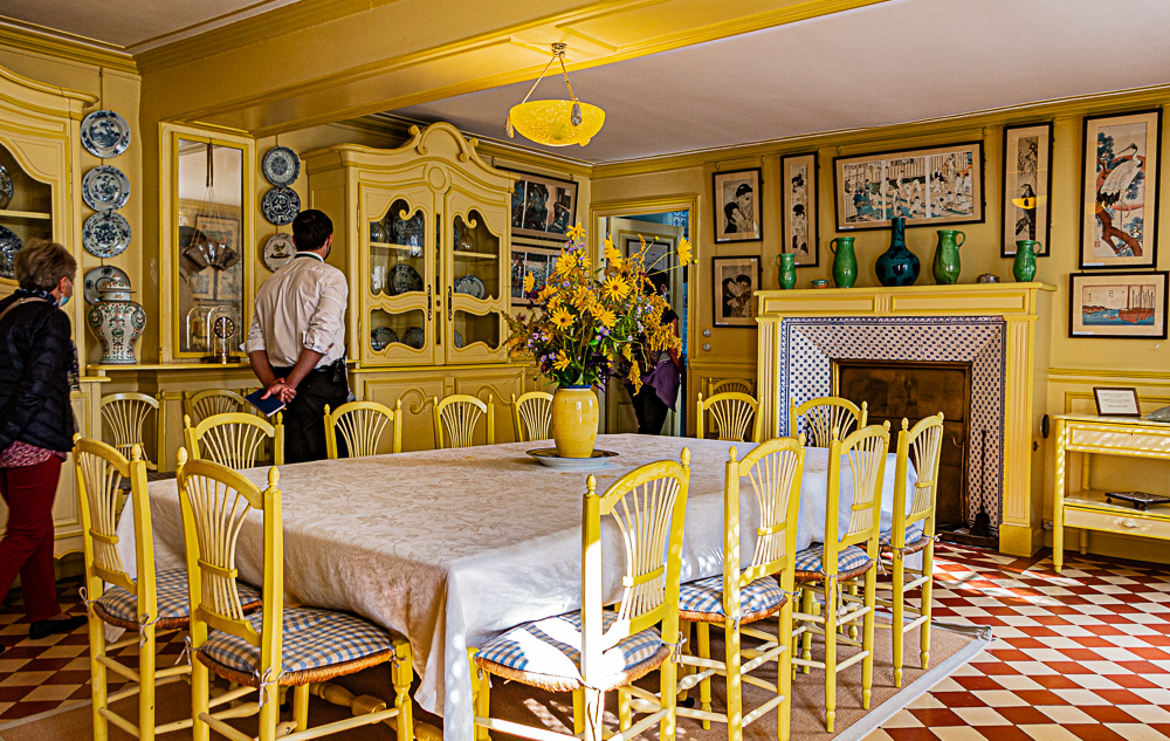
(574, 421)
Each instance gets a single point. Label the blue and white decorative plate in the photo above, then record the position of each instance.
(281, 166)
(10, 244)
(105, 134)
(403, 279)
(106, 234)
(105, 188)
(471, 286)
(281, 205)
(97, 279)
(415, 337)
(6, 189)
(381, 337)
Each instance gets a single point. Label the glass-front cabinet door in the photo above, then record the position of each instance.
(400, 267)
(476, 296)
(26, 212)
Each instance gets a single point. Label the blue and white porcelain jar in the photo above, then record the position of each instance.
(116, 321)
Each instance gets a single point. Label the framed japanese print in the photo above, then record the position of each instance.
(736, 279)
(1027, 182)
(1119, 190)
(737, 205)
(543, 207)
(530, 258)
(928, 186)
(1131, 305)
(798, 187)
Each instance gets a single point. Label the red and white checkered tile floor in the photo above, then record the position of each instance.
(1080, 655)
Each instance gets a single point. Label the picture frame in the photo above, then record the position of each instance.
(798, 189)
(734, 283)
(543, 207)
(1119, 190)
(1027, 186)
(659, 252)
(1117, 401)
(1123, 305)
(738, 208)
(530, 258)
(926, 186)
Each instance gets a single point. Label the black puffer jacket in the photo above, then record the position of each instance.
(36, 355)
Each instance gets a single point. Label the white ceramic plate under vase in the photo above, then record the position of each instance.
(548, 457)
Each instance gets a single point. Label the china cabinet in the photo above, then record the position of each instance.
(39, 154)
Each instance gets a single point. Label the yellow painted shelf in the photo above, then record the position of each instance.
(36, 215)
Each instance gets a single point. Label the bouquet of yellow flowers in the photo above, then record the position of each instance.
(589, 321)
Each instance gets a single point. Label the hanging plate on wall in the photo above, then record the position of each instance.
(278, 251)
(106, 234)
(281, 205)
(105, 188)
(281, 166)
(105, 134)
(97, 278)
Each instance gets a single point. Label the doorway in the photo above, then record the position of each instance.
(662, 231)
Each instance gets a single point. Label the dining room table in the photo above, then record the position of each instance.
(448, 547)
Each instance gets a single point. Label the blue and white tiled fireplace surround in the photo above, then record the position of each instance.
(809, 345)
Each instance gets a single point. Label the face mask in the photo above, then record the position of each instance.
(62, 301)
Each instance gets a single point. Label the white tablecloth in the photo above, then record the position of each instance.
(449, 546)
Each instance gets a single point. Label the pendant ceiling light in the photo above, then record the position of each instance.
(556, 123)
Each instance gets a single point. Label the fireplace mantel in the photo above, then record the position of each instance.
(1025, 309)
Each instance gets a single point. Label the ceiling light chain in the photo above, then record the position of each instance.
(555, 122)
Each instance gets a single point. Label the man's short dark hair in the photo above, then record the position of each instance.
(310, 229)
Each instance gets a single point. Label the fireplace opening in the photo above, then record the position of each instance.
(895, 389)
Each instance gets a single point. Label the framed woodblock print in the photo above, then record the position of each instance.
(1119, 190)
(735, 281)
(543, 207)
(928, 186)
(1131, 305)
(736, 196)
(1027, 182)
(798, 187)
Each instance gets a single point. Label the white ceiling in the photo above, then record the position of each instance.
(899, 61)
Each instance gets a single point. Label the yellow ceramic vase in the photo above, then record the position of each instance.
(574, 421)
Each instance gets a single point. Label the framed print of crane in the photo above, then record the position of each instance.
(1119, 190)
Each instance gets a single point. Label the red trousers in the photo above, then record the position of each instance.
(27, 547)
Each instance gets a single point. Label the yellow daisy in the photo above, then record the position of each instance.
(529, 282)
(562, 319)
(612, 255)
(576, 233)
(565, 264)
(562, 360)
(684, 252)
(606, 317)
(616, 287)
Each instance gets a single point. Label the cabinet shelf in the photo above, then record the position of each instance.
(399, 247)
(30, 215)
(476, 255)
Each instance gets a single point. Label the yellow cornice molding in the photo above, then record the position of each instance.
(858, 140)
(62, 45)
(1083, 375)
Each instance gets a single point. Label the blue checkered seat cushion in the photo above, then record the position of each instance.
(850, 562)
(312, 639)
(547, 654)
(913, 533)
(118, 607)
(702, 600)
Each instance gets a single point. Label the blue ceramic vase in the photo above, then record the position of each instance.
(897, 266)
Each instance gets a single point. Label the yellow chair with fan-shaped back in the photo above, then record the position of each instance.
(456, 418)
(825, 414)
(123, 418)
(733, 416)
(209, 402)
(235, 439)
(361, 425)
(532, 416)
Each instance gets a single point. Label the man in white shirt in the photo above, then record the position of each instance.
(296, 342)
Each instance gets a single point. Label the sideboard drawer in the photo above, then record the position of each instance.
(1129, 524)
(1119, 440)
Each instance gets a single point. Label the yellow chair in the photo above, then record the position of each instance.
(145, 606)
(203, 404)
(825, 569)
(361, 425)
(275, 647)
(734, 416)
(123, 417)
(913, 532)
(532, 416)
(825, 414)
(234, 439)
(595, 650)
(739, 600)
(725, 385)
(456, 418)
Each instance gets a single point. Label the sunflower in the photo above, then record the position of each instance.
(605, 317)
(562, 361)
(576, 233)
(612, 255)
(616, 287)
(529, 282)
(562, 319)
(684, 252)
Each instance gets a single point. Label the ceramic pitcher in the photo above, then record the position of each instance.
(946, 255)
(117, 322)
(844, 261)
(1024, 266)
(787, 263)
(897, 266)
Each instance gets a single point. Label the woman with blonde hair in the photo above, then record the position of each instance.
(38, 366)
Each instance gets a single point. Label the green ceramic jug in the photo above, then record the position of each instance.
(946, 256)
(844, 261)
(1024, 266)
(787, 263)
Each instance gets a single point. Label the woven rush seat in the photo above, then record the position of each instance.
(315, 645)
(118, 607)
(914, 540)
(702, 600)
(547, 654)
(851, 562)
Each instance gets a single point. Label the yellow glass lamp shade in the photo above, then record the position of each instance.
(551, 122)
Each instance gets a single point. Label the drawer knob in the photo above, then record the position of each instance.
(1129, 523)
